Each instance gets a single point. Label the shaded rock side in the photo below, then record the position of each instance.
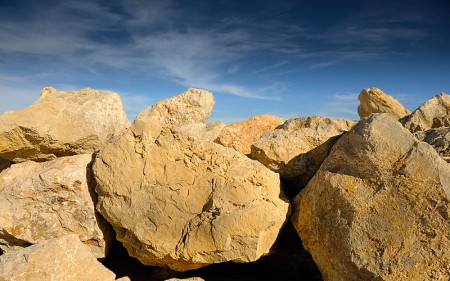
(39, 201)
(373, 100)
(4, 164)
(434, 113)
(61, 124)
(202, 131)
(184, 204)
(378, 208)
(241, 135)
(439, 139)
(192, 106)
(64, 258)
(297, 148)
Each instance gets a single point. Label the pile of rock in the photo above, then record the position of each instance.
(370, 199)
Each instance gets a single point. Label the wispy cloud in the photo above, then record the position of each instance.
(342, 105)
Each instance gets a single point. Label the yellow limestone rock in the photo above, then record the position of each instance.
(296, 149)
(439, 139)
(378, 208)
(181, 203)
(64, 258)
(434, 113)
(373, 100)
(61, 124)
(39, 201)
(202, 131)
(241, 135)
(192, 106)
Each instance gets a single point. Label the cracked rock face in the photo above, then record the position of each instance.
(241, 135)
(296, 148)
(39, 201)
(378, 208)
(61, 124)
(192, 106)
(202, 131)
(373, 100)
(439, 139)
(434, 113)
(184, 204)
(64, 258)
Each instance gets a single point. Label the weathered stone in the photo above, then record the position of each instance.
(378, 208)
(297, 148)
(241, 135)
(439, 139)
(184, 204)
(64, 258)
(39, 201)
(61, 124)
(434, 113)
(192, 106)
(202, 131)
(373, 100)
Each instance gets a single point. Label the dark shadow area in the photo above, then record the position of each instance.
(305, 165)
(289, 261)
(4, 164)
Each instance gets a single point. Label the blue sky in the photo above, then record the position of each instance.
(287, 58)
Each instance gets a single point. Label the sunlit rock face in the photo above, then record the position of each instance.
(61, 124)
(181, 203)
(39, 201)
(434, 113)
(378, 208)
(373, 100)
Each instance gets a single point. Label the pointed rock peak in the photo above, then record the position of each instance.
(47, 91)
(373, 100)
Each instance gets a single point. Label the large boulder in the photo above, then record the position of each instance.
(61, 124)
(373, 100)
(202, 131)
(39, 201)
(192, 106)
(297, 148)
(439, 139)
(64, 258)
(184, 204)
(241, 135)
(378, 208)
(434, 113)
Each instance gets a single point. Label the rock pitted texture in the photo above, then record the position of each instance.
(378, 208)
(61, 124)
(439, 139)
(39, 201)
(202, 131)
(192, 106)
(298, 147)
(241, 135)
(434, 113)
(64, 258)
(373, 100)
(184, 204)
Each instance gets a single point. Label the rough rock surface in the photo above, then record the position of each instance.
(186, 279)
(61, 124)
(64, 258)
(241, 135)
(434, 113)
(378, 208)
(177, 202)
(39, 201)
(296, 149)
(192, 106)
(439, 139)
(373, 100)
(202, 131)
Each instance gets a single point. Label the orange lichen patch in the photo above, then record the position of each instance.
(349, 187)
(91, 242)
(16, 230)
